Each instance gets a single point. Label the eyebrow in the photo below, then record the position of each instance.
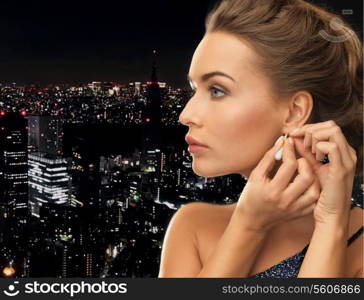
(207, 76)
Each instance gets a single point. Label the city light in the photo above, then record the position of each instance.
(8, 271)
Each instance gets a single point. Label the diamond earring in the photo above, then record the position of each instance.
(279, 153)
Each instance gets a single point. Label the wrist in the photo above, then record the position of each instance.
(335, 224)
(336, 219)
(250, 223)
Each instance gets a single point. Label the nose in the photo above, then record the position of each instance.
(190, 114)
(183, 118)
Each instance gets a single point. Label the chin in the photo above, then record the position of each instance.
(209, 172)
(208, 169)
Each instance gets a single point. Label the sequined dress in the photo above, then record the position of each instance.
(290, 267)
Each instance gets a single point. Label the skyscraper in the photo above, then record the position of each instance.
(45, 134)
(48, 178)
(13, 164)
(13, 182)
(152, 125)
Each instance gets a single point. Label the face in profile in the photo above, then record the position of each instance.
(233, 110)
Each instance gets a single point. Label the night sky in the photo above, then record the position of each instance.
(82, 41)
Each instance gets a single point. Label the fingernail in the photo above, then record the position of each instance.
(290, 140)
(278, 140)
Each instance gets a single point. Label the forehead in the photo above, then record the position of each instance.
(224, 52)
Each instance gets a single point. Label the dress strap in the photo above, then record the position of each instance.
(352, 238)
(355, 235)
(304, 250)
(360, 230)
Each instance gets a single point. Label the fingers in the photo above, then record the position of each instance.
(353, 154)
(307, 131)
(326, 132)
(319, 154)
(306, 153)
(308, 210)
(304, 179)
(287, 169)
(266, 164)
(307, 139)
(333, 135)
(333, 153)
(302, 130)
(322, 147)
(308, 200)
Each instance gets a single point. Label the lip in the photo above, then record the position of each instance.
(196, 148)
(192, 141)
(194, 145)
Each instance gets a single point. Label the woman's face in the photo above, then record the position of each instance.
(237, 118)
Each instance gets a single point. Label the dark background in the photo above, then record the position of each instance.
(44, 42)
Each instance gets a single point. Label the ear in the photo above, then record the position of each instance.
(299, 109)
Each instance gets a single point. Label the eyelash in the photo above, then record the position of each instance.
(212, 88)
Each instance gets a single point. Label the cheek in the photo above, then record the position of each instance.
(249, 132)
(250, 121)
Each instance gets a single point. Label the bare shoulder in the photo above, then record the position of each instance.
(195, 214)
(202, 213)
(204, 207)
(208, 222)
(181, 251)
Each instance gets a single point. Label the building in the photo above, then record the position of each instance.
(13, 164)
(45, 134)
(48, 179)
(152, 125)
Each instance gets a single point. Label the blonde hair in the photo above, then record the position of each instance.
(302, 46)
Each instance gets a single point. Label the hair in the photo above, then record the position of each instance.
(302, 46)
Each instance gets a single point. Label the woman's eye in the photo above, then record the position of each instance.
(216, 95)
(215, 92)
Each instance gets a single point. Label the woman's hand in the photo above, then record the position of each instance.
(266, 201)
(336, 177)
